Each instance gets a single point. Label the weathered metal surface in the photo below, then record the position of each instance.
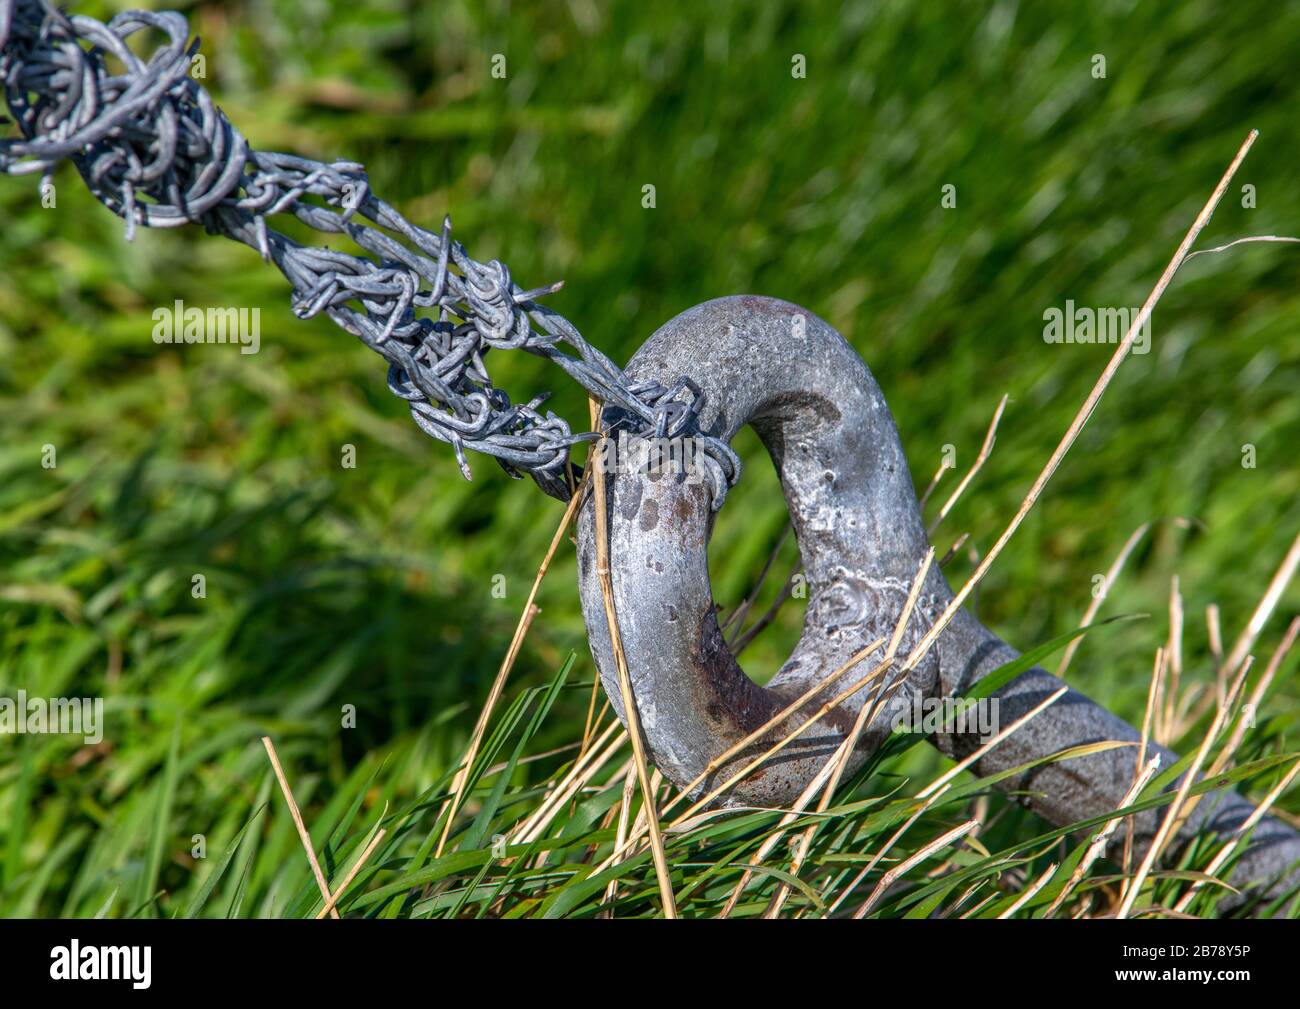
(817, 409)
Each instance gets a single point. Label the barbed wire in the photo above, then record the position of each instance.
(153, 147)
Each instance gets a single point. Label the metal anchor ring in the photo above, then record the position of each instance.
(824, 421)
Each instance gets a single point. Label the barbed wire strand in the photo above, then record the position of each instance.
(154, 148)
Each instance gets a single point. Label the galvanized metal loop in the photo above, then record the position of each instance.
(848, 488)
(817, 411)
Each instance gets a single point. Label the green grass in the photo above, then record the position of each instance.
(373, 587)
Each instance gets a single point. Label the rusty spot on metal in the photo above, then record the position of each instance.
(649, 514)
(732, 697)
(683, 509)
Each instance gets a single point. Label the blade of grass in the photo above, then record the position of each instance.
(297, 820)
(162, 816)
(630, 713)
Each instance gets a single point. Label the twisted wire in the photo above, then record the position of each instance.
(153, 147)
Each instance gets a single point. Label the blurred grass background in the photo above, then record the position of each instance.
(373, 586)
